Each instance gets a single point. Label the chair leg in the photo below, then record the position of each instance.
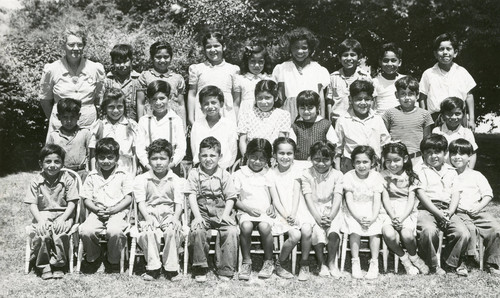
(186, 255)
(70, 253)
(122, 260)
(481, 253)
(79, 257)
(240, 258)
(440, 247)
(27, 255)
(294, 259)
(131, 260)
(385, 255)
(344, 251)
(396, 263)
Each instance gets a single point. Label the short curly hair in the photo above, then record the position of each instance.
(302, 33)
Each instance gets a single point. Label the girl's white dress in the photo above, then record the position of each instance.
(245, 84)
(254, 192)
(363, 191)
(266, 125)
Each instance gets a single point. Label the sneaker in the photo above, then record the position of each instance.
(282, 272)
(492, 269)
(267, 269)
(373, 270)
(419, 263)
(410, 269)
(303, 273)
(151, 275)
(200, 274)
(335, 272)
(246, 271)
(462, 270)
(438, 271)
(173, 276)
(224, 278)
(323, 272)
(356, 269)
(47, 273)
(57, 273)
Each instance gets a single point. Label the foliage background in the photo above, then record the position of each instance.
(35, 31)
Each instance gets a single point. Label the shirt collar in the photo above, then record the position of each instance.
(446, 130)
(350, 114)
(207, 63)
(122, 121)
(442, 172)
(116, 170)
(248, 172)
(252, 76)
(161, 75)
(133, 75)
(40, 178)
(217, 173)
(438, 69)
(318, 118)
(81, 67)
(152, 176)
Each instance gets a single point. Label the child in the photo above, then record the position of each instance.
(256, 66)
(287, 200)
(264, 120)
(255, 206)
(72, 138)
(215, 71)
(214, 125)
(310, 127)
(337, 96)
(363, 189)
(124, 78)
(300, 72)
(389, 62)
(118, 126)
(159, 198)
(106, 193)
(323, 191)
(400, 205)
(452, 112)
(360, 126)
(475, 194)
(446, 79)
(407, 122)
(52, 196)
(211, 198)
(439, 197)
(163, 124)
(161, 55)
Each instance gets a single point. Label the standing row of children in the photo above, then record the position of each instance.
(354, 126)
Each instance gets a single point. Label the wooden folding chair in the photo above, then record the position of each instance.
(71, 233)
(364, 240)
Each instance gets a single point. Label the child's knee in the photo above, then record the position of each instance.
(407, 234)
(333, 236)
(294, 236)
(246, 227)
(264, 228)
(389, 232)
(306, 231)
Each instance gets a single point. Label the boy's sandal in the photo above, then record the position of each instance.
(58, 273)
(47, 273)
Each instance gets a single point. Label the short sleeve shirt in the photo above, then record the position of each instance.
(75, 146)
(363, 190)
(108, 192)
(219, 185)
(52, 197)
(154, 191)
(322, 187)
(438, 185)
(267, 125)
(338, 89)
(473, 186)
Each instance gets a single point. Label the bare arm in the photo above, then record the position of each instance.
(191, 102)
(321, 101)
(243, 144)
(312, 208)
(410, 205)
(422, 101)
(472, 160)
(427, 131)
(349, 199)
(236, 102)
(472, 113)
(182, 109)
(141, 100)
(277, 201)
(337, 201)
(47, 105)
(376, 206)
(386, 202)
(455, 198)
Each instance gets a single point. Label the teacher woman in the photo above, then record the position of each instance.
(72, 76)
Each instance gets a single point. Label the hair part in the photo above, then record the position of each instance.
(350, 44)
(461, 146)
(75, 30)
(210, 143)
(260, 145)
(215, 35)
(69, 105)
(160, 45)
(268, 86)
(407, 82)
(121, 52)
(359, 86)
(211, 91)
(156, 87)
(435, 142)
(284, 140)
(400, 149)
(446, 37)
(368, 151)
(451, 103)
(158, 146)
(51, 149)
(325, 148)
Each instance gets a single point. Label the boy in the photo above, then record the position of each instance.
(389, 62)
(439, 198)
(446, 79)
(475, 194)
(214, 125)
(72, 138)
(212, 196)
(124, 77)
(407, 122)
(106, 193)
(52, 197)
(360, 126)
(337, 95)
(159, 198)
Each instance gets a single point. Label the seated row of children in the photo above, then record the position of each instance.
(312, 205)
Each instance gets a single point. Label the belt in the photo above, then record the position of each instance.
(76, 168)
(415, 154)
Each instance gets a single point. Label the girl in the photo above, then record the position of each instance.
(118, 126)
(215, 71)
(363, 189)
(255, 206)
(161, 55)
(400, 205)
(256, 66)
(287, 200)
(452, 114)
(322, 189)
(264, 120)
(300, 72)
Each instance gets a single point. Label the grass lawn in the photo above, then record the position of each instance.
(13, 282)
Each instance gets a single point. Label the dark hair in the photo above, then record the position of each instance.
(159, 45)
(400, 149)
(107, 146)
(160, 145)
(359, 86)
(69, 105)
(350, 44)
(269, 86)
(325, 148)
(391, 47)
(308, 98)
(363, 149)
(451, 103)
(211, 91)
(446, 37)
(112, 94)
(407, 82)
(260, 145)
(302, 33)
(210, 143)
(121, 52)
(51, 149)
(435, 142)
(158, 86)
(213, 34)
(283, 140)
(249, 52)
(461, 146)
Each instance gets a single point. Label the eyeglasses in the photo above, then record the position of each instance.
(72, 45)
